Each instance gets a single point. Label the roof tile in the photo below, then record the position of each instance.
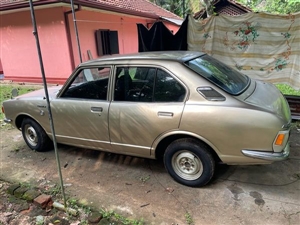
(140, 6)
(131, 5)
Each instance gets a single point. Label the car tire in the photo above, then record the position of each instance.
(189, 162)
(35, 136)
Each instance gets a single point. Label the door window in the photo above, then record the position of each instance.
(147, 84)
(90, 83)
(167, 88)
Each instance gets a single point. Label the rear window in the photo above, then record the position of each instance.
(225, 77)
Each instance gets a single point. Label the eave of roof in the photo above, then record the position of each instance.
(175, 21)
(6, 5)
(239, 7)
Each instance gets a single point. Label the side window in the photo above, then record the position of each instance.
(90, 83)
(146, 84)
(167, 88)
(134, 84)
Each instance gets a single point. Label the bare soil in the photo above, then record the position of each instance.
(139, 188)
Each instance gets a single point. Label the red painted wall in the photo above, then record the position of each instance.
(18, 47)
(90, 21)
(172, 27)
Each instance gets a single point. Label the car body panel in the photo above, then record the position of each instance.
(134, 126)
(82, 122)
(228, 125)
(229, 129)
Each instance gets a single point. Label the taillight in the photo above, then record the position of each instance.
(3, 109)
(281, 140)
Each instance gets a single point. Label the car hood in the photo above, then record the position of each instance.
(40, 94)
(268, 97)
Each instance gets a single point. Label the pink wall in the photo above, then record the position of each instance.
(172, 27)
(90, 21)
(18, 46)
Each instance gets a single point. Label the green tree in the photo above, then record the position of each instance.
(273, 6)
(179, 7)
(209, 7)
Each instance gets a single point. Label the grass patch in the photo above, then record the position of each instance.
(287, 89)
(115, 217)
(5, 92)
(189, 218)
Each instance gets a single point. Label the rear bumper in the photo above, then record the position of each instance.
(270, 156)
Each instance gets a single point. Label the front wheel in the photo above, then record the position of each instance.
(35, 136)
(189, 162)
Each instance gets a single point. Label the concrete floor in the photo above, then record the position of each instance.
(141, 188)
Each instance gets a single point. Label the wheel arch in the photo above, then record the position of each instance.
(161, 143)
(33, 133)
(21, 117)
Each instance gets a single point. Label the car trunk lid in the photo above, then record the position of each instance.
(268, 97)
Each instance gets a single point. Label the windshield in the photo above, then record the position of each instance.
(220, 74)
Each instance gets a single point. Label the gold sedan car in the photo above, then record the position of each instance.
(186, 108)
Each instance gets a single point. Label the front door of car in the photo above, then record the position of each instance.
(147, 102)
(80, 113)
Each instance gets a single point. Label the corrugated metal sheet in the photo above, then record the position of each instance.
(294, 103)
(175, 21)
(224, 7)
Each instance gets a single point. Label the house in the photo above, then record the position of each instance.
(225, 7)
(104, 27)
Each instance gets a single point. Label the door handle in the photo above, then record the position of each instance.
(96, 109)
(165, 114)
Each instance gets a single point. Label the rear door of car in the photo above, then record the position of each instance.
(81, 111)
(147, 102)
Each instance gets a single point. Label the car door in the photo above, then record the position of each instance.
(147, 102)
(80, 113)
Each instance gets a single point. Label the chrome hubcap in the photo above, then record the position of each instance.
(31, 135)
(187, 165)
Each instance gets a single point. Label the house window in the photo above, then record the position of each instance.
(107, 42)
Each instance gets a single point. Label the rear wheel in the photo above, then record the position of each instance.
(189, 162)
(35, 136)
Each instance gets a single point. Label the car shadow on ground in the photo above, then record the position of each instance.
(267, 175)
(72, 158)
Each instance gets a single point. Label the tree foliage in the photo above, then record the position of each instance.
(184, 7)
(208, 6)
(179, 7)
(273, 6)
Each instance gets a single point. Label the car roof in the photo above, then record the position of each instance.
(179, 56)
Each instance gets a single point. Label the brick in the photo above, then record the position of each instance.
(20, 191)
(11, 189)
(42, 200)
(30, 195)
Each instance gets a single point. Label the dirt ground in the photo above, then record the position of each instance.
(140, 188)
